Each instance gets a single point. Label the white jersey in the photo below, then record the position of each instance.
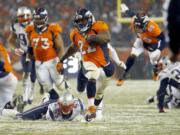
(19, 30)
(172, 72)
(54, 113)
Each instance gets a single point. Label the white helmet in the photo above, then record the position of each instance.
(66, 103)
(24, 15)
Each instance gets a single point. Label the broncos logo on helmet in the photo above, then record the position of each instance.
(140, 22)
(83, 20)
(40, 17)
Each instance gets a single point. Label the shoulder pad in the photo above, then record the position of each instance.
(29, 28)
(100, 26)
(54, 27)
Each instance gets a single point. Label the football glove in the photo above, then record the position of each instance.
(124, 8)
(59, 67)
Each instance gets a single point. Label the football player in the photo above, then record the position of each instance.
(8, 81)
(149, 37)
(18, 33)
(169, 84)
(46, 45)
(91, 38)
(66, 108)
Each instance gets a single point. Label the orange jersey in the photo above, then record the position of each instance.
(151, 33)
(42, 43)
(98, 54)
(4, 56)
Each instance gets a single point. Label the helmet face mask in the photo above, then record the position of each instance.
(66, 109)
(40, 18)
(66, 103)
(140, 22)
(24, 15)
(83, 20)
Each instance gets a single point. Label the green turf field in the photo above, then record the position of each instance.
(125, 113)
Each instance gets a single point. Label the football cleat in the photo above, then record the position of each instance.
(161, 110)
(119, 82)
(91, 113)
(150, 100)
(29, 101)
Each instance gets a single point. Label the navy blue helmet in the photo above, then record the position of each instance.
(83, 19)
(140, 22)
(40, 17)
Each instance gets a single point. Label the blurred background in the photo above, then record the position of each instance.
(62, 11)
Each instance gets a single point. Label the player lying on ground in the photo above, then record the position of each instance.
(8, 81)
(91, 39)
(149, 37)
(24, 18)
(172, 97)
(66, 108)
(170, 77)
(46, 46)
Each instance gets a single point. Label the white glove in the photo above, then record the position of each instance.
(124, 8)
(19, 51)
(121, 64)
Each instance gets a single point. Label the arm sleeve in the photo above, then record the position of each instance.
(114, 55)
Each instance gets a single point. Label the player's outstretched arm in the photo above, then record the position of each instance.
(13, 46)
(12, 40)
(70, 51)
(59, 45)
(115, 58)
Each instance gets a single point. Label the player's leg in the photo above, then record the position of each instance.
(137, 49)
(154, 58)
(8, 86)
(44, 77)
(92, 73)
(57, 78)
(102, 83)
(81, 81)
(33, 80)
(26, 78)
(36, 112)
